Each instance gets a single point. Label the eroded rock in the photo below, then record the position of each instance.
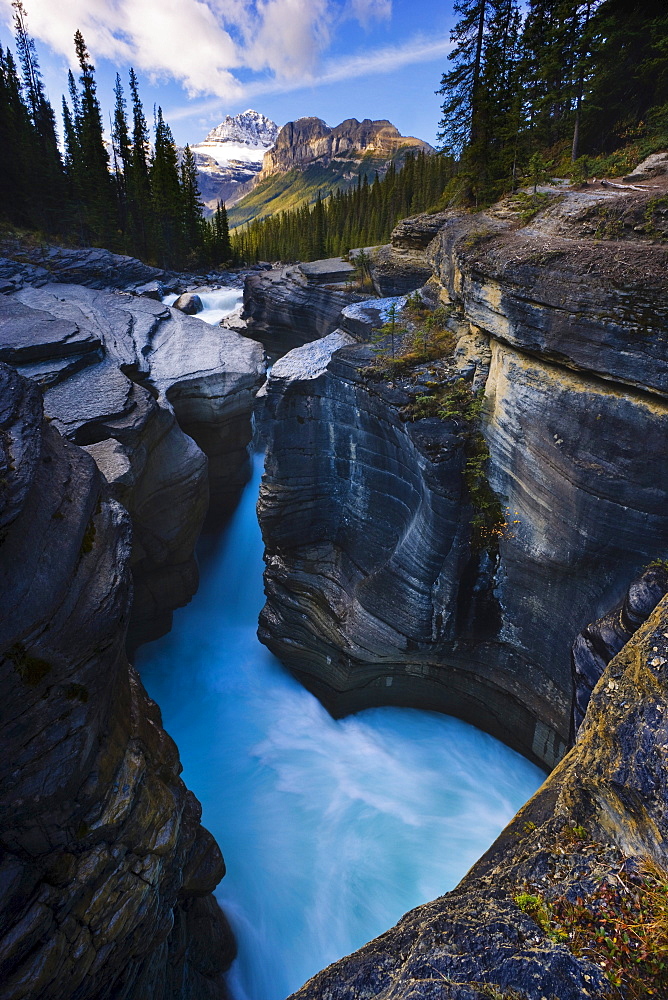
(147, 390)
(596, 645)
(106, 871)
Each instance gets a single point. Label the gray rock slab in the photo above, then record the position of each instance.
(29, 335)
(362, 318)
(310, 361)
(321, 272)
(99, 393)
(186, 349)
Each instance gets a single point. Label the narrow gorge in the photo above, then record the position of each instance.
(463, 512)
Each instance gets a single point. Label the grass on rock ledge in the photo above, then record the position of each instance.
(619, 924)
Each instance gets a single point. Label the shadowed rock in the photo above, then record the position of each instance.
(596, 645)
(105, 870)
(284, 309)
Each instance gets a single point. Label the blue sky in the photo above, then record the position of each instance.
(203, 59)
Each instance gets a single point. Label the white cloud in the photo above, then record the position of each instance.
(201, 43)
(378, 61)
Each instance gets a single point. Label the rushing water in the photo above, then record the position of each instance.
(331, 830)
(218, 303)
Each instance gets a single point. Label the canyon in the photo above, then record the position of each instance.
(391, 576)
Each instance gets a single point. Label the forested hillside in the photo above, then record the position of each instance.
(569, 87)
(362, 216)
(535, 88)
(140, 201)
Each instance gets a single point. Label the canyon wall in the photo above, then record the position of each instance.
(290, 306)
(376, 590)
(162, 402)
(105, 873)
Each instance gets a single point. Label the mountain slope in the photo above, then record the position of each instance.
(309, 156)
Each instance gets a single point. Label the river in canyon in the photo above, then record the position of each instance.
(331, 829)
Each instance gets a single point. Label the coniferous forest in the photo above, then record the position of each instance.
(139, 200)
(568, 87)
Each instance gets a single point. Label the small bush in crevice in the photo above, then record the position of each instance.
(457, 401)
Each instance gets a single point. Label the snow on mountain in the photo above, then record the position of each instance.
(244, 138)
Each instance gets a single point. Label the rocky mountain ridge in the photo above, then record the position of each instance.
(250, 129)
(311, 140)
(309, 157)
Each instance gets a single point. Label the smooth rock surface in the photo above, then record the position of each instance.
(91, 266)
(152, 392)
(106, 873)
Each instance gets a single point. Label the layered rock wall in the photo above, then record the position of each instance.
(376, 593)
(105, 871)
(285, 309)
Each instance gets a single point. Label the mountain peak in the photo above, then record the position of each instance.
(250, 127)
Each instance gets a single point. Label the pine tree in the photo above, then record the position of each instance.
(86, 155)
(461, 86)
(16, 143)
(46, 168)
(627, 81)
(166, 196)
(138, 187)
(220, 248)
(191, 208)
(122, 151)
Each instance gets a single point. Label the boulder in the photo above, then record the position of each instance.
(189, 303)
